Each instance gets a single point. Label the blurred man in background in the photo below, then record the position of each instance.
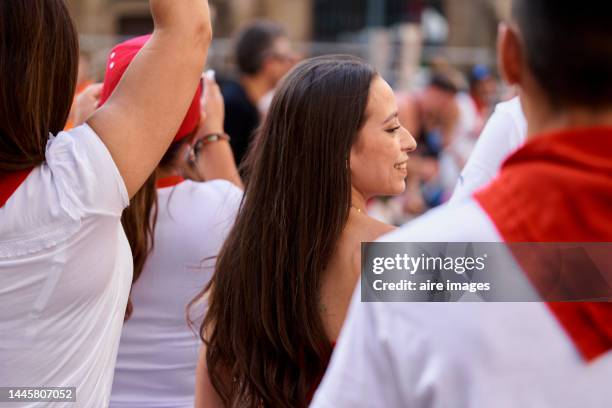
(483, 90)
(431, 116)
(263, 56)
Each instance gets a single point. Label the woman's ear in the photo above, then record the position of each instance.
(510, 54)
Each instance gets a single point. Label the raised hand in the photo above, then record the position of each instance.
(141, 117)
(86, 103)
(213, 108)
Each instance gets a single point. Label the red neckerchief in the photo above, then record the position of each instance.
(10, 182)
(558, 188)
(169, 181)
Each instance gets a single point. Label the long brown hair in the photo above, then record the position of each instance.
(38, 70)
(266, 342)
(140, 217)
(138, 222)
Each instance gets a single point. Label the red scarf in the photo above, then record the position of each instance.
(558, 188)
(169, 181)
(10, 182)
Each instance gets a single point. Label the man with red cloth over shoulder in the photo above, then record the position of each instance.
(557, 188)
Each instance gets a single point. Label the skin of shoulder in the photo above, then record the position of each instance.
(344, 270)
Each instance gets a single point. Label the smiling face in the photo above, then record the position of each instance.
(379, 156)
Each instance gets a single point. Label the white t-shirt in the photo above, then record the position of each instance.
(158, 352)
(65, 272)
(460, 355)
(504, 133)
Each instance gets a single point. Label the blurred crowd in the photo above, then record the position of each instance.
(446, 114)
(172, 236)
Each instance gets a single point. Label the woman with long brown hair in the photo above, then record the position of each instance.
(65, 264)
(286, 273)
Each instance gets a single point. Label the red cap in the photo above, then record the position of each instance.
(120, 58)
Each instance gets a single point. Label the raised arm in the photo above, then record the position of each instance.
(141, 117)
(216, 160)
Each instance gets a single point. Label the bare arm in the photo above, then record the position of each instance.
(216, 160)
(205, 394)
(86, 104)
(218, 163)
(141, 117)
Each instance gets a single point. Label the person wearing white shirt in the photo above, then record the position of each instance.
(65, 262)
(556, 188)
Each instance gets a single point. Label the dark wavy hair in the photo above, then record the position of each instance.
(265, 338)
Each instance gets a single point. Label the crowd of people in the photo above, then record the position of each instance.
(170, 241)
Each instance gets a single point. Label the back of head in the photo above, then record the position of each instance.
(444, 83)
(38, 71)
(478, 74)
(263, 326)
(567, 46)
(254, 43)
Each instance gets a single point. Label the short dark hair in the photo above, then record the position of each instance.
(254, 43)
(568, 49)
(444, 83)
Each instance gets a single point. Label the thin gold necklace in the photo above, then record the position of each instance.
(358, 209)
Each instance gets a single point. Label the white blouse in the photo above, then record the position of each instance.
(65, 271)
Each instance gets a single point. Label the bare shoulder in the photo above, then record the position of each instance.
(374, 229)
(366, 229)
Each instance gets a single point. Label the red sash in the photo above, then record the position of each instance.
(169, 181)
(10, 182)
(558, 188)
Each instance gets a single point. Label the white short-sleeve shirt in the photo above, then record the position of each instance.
(65, 272)
(158, 352)
(460, 355)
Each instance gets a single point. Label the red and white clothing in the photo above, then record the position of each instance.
(556, 188)
(65, 271)
(158, 352)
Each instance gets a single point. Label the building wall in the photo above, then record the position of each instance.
(474, 24)
(102, 17)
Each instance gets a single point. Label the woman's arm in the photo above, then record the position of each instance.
(141, 117)
(86, 104)
(205, 394)
(216, 160)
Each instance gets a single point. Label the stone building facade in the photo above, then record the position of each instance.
(472, 23)
(128, 17)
